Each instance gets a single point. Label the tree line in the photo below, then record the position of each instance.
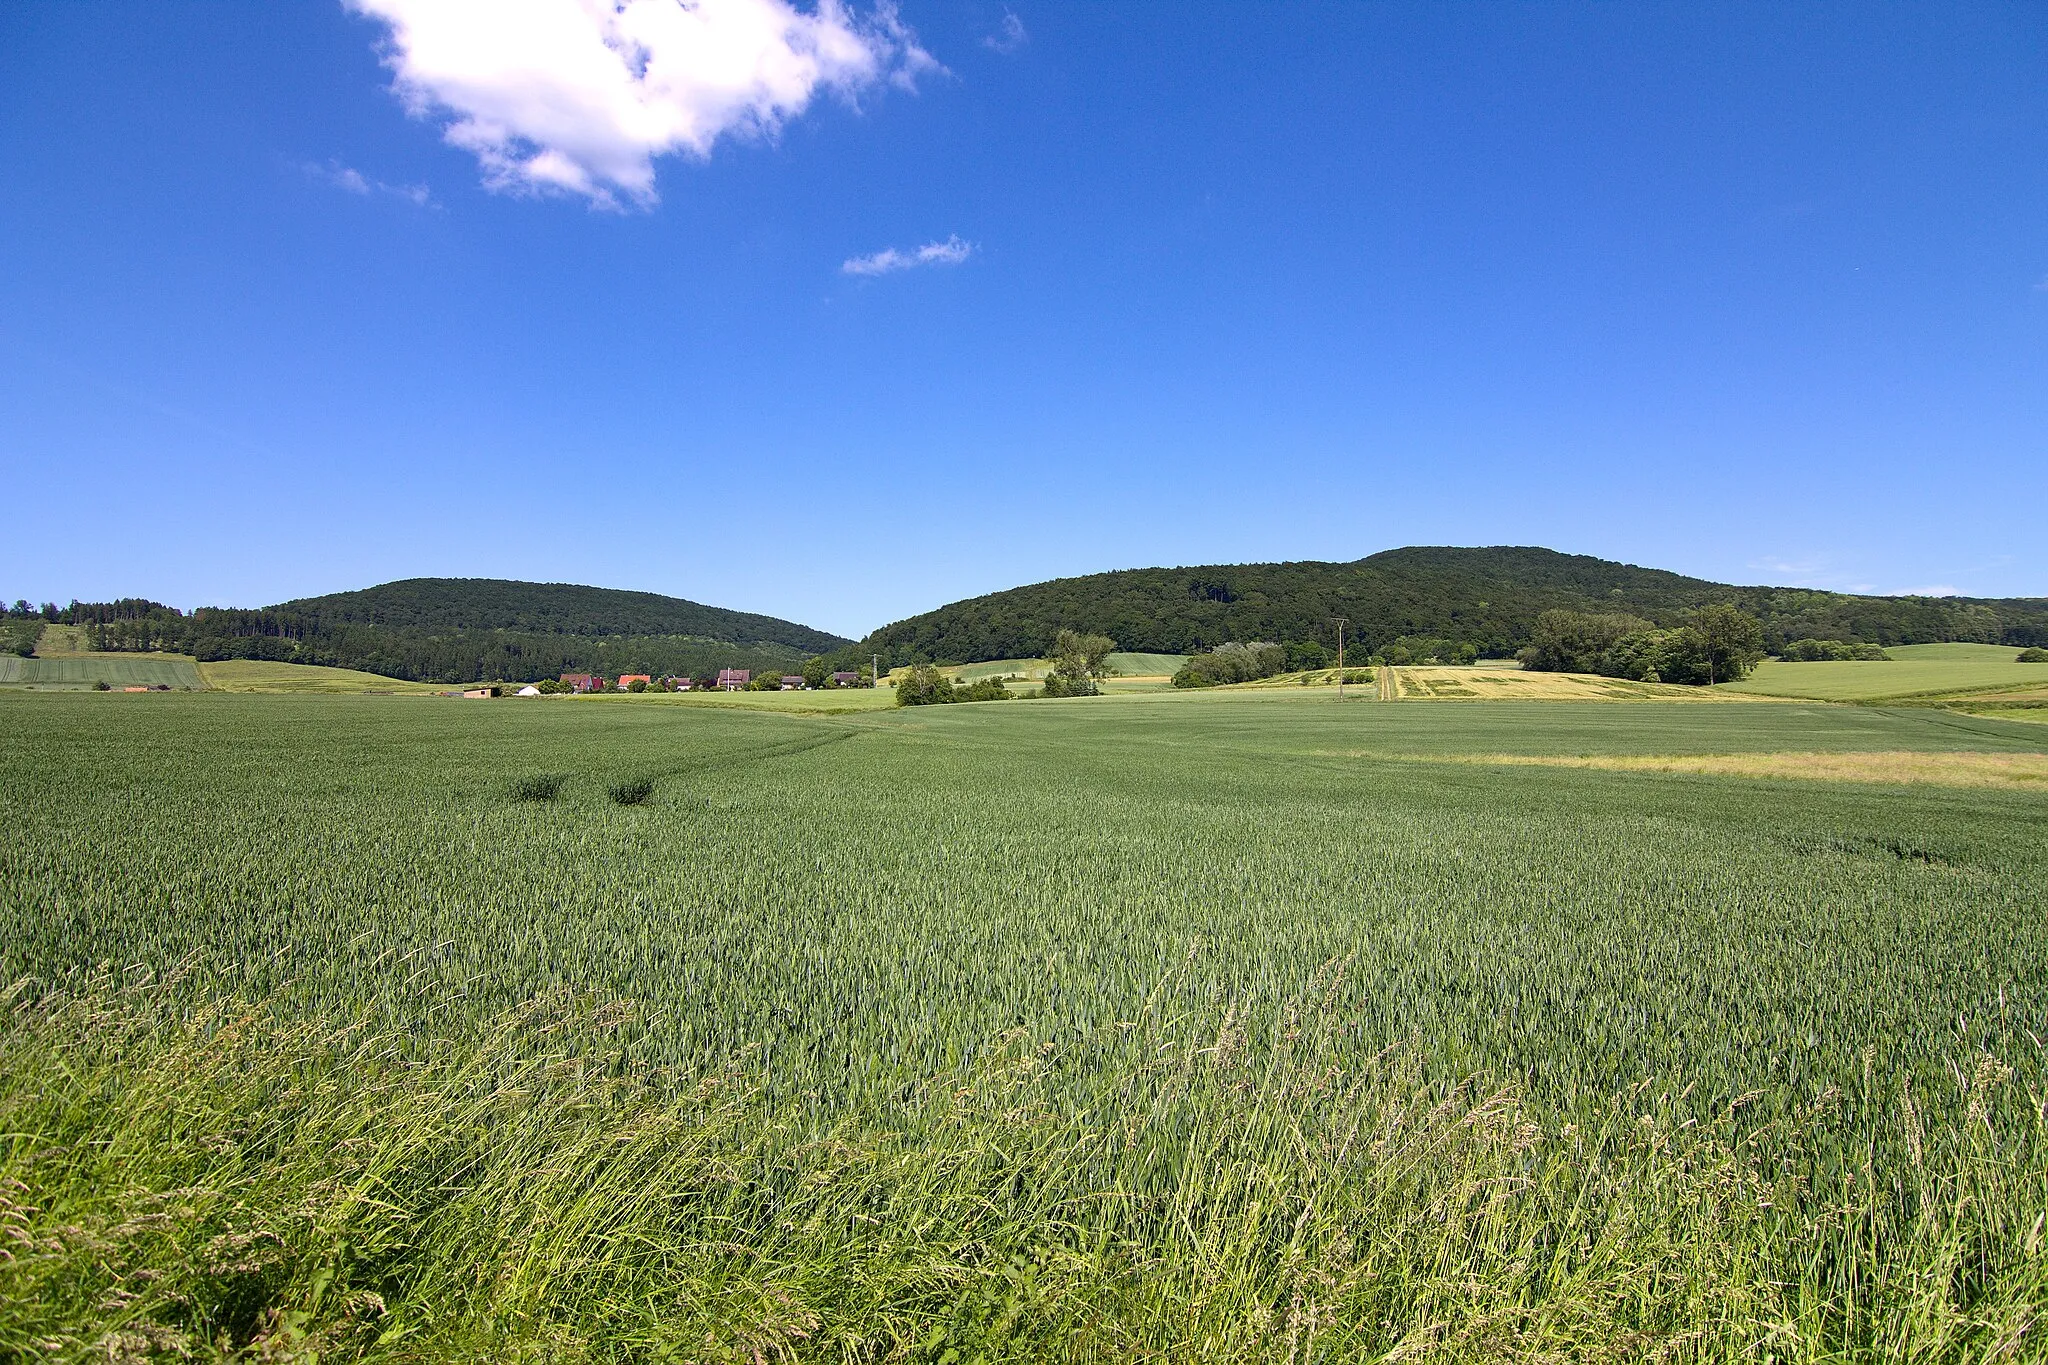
(1717, 643)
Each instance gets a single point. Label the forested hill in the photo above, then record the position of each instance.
(451, 604)
(1486, 597)
(465, 630)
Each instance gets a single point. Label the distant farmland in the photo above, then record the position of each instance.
(76, 671)
(1913, 670)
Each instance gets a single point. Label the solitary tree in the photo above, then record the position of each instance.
(1079, 662)
(1734, 640)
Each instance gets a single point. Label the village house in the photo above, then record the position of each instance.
(583, 682)
(846, 680)
(731, 678)
(626, 680)
(792, 682)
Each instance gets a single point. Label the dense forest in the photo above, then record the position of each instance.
(458, 630)
(1484, 601)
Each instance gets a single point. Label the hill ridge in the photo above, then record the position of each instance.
(460, 604)
(1487, 596)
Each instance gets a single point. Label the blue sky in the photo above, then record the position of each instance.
(304, 297)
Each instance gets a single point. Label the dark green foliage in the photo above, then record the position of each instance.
(442, 605)
(1719, 643)
(1830, 651)
(2033, 656)
(538, 787)
(1427, 649)
(1581, 642)
(1487, 598)
(1308, 654)
(466, 630)
(1232, 663)
(20, 636)
(102, 686)
(633, 792)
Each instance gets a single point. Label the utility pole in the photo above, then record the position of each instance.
(877, 670)
(1340, 656)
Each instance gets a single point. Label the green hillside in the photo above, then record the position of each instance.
(1487, 597)
(461, 604)
(450, 630)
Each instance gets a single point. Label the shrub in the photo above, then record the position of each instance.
(988, 689)
(538, 787)
(2033, 656)
(924, 686)
(927, 686)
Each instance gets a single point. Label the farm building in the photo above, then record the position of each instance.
(480, 693)
(846, 679)
(792, 682)
(729, 678)
(527, 691)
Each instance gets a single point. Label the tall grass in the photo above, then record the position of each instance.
(226, 1181)
(1622, 1063)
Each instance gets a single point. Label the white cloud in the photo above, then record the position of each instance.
(888, 261)
(580, 96)
(355, 182)
(2042, 284)
(1009, 35)
(348, 178)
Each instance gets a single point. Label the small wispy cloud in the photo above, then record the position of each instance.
(1009, 35)
(2041, 285)
(1798, 568)
(353, 181)
(889, 260)
(1930, 590)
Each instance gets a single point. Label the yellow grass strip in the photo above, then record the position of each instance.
(1969, 769)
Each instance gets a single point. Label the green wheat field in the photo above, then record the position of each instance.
(1147, 1027)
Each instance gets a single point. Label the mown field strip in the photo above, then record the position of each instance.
(1959, 769)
